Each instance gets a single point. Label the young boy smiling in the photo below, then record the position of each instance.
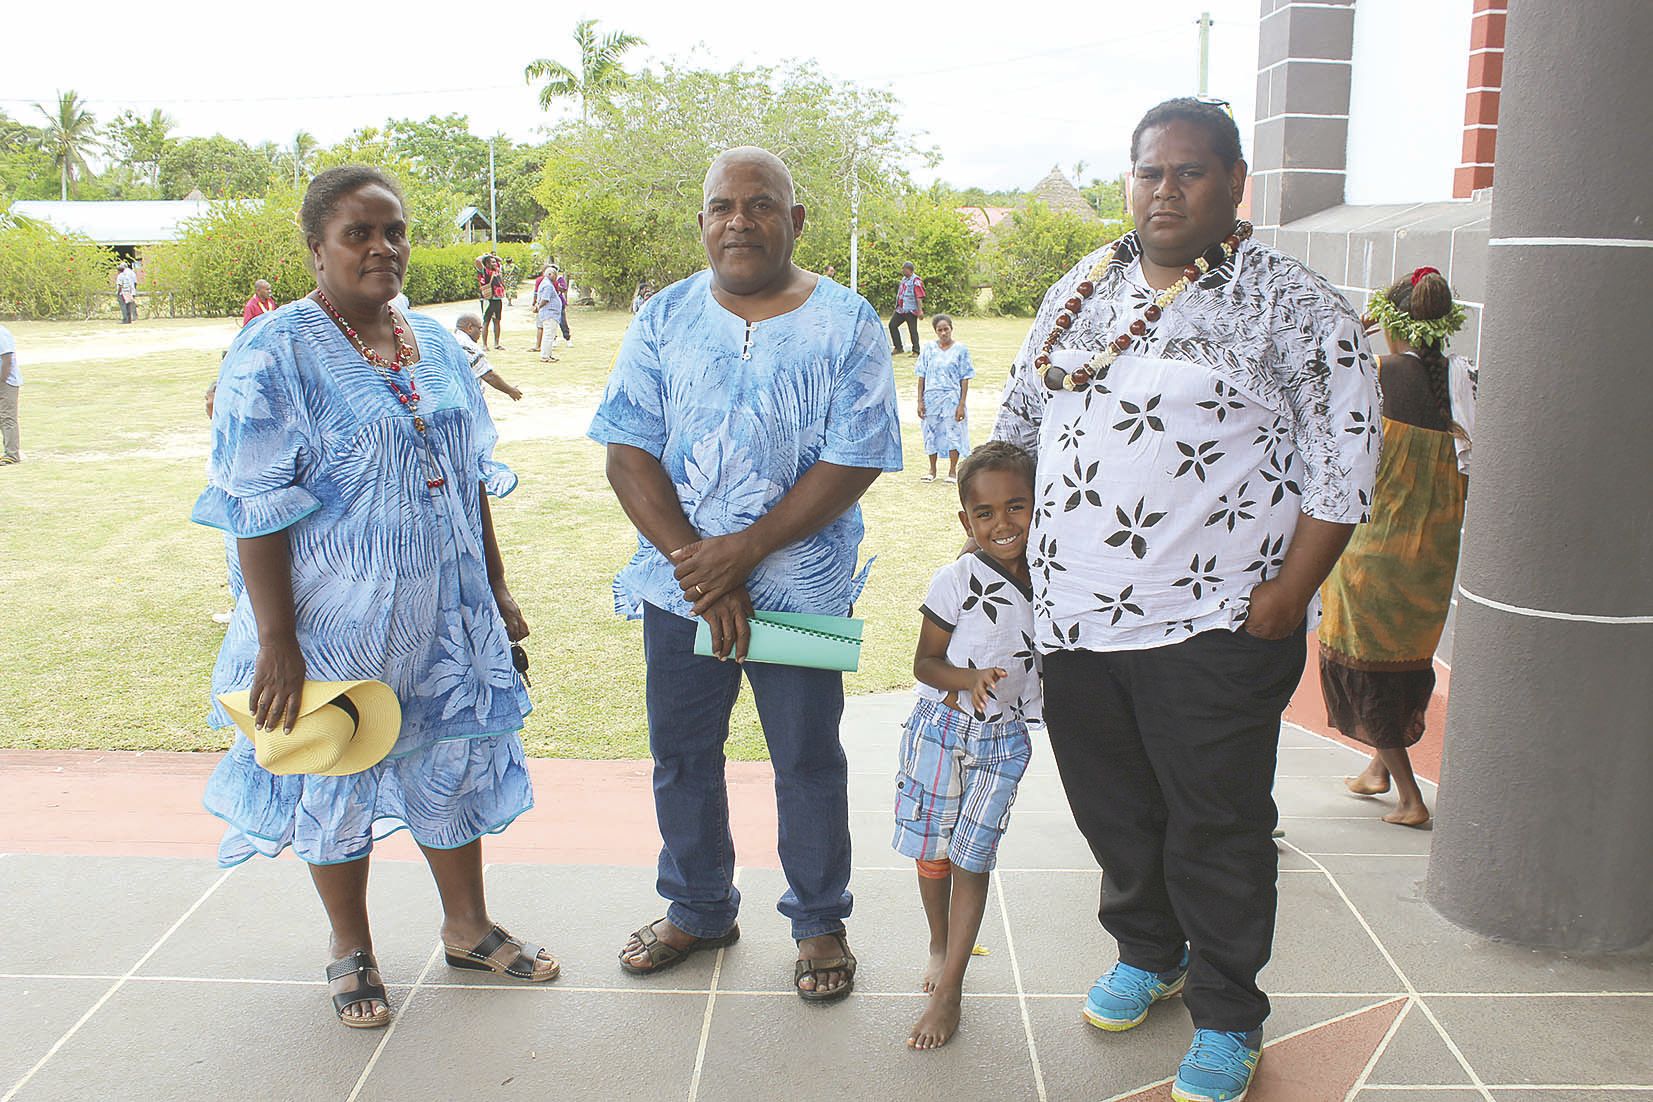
(966, 744)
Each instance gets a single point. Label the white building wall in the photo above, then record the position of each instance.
(1406, 99)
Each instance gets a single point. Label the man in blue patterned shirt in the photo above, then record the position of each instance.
(750, 407)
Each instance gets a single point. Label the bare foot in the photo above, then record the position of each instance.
(932, 970)
(1408, 815)
(1373, 780)
(938, 1022)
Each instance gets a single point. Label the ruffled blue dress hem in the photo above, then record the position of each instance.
(249, 852)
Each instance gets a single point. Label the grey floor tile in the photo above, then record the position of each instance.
(1310, 919)
(540, 1043)
(1590, 1041)
(887, 933)
(1439, 956)
(1081, 1062)
(1294, 736)
(583, 915)
(1327, 797)
(1361, 835)
(209, 1040)
(34, 1014)
(266, 922)
(1416, 1056)
(1290, 859)
(763, 1048)
(1562, 1096)
(1062, 948)
(1428, 1096)
(134, 900)
(1327, 759)
(1059, 943)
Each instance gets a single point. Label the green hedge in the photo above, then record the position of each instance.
(214, 265)
(448, 274)
(46, 274)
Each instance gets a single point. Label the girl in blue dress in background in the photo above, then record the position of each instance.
(350, 469)
(944, 373)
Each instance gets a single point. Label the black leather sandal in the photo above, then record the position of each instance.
(360, 963)
(504, 955)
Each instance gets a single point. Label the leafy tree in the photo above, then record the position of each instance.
(26, 169)
(621, 199)
(444, 152)
(70, 133)
(139, 143)
(1106, 197)
(296, 157)
(923, 228)
(517, 175)
(1034, 246)
(217, 167)
(431, 208)
(600, 77)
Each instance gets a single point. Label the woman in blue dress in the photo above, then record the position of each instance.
(351, 463)
(944, 373)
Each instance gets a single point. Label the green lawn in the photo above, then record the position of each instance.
(106, 588)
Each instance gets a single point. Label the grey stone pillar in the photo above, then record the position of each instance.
(1544, 831)
(1300, 148)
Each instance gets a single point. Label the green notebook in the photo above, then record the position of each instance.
(797, 639)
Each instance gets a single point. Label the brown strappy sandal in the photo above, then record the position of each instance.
(360, 963)
(662, 956)
(504, 955)
(816, 965)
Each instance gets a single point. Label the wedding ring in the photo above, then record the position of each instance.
(699, 590)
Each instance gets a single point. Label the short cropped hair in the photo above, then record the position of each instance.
(1225, 136)
(995, 455)
(322, 197)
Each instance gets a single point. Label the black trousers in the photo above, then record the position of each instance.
(912, 329)
(1167, 756)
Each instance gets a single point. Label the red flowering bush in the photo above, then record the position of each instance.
(46, 274)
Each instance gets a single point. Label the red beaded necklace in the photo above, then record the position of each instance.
(389, 371)
(1214, 257)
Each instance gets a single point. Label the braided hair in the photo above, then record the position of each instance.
(1427, 299)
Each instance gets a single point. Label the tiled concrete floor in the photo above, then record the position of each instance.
(159, 978)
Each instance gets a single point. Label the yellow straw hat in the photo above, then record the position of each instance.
(343, 727)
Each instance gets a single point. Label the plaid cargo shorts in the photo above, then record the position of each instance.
(957, 781)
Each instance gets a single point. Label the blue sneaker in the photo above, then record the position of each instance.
(1120, 999)
(1218, 1067)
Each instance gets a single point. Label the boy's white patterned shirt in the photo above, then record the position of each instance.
(990, 616)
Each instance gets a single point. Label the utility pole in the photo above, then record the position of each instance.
(493, 213)
(855, 224)
(1204, 22)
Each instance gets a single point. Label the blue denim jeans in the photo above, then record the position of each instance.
(689, 700)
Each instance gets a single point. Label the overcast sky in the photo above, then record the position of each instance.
(1004, 90)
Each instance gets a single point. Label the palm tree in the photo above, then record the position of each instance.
(69, 134)
(600, 74)
(298, 154)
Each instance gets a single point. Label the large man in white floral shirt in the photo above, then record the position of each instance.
(1193, 493)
